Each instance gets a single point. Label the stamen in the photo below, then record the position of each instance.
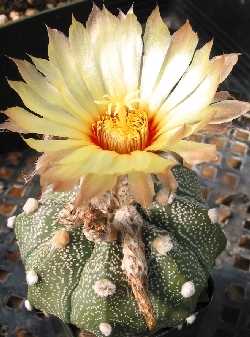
(124, 128)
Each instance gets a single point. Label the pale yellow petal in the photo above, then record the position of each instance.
(131, 50)
(99, 162)
(49, 145)
(41, 125)
(104, 31)
(68, 100)
(80, 154)
(226, 111)
(168, 138)
(48, 159)
(156, 43)
(42, 107)
(83, 55)
(58, 173)
(140, 160)
(195, 153)
(188, 110)
(61, 56)
(178, 58)
(193, 77)
(120, 165)
(159, 164)
(45, 86)
(93, 185)
(142, 188)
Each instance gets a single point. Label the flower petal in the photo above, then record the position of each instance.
(49, 145)
(52, 86)
(131, 50)
(42, 107)
(64, 186)
(179, 56)
(193, 77)
(189, 109)
(60, 55)
(41, 125)
(159, 164)
(168, 180)
(92, 186)
(221, 96)
(230, 61)
(80, 154)
(156, 43)
(226, 111)
(99, 162)
(104, 31)
(142, 188)
(195, 153)
(83, 55)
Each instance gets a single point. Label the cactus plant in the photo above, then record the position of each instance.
(162, 255)
(121, 242)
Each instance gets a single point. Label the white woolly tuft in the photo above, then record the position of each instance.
(105, 329)
(163, 244)
(188, 289)
(191, 319)
(28, 306)
(30, 206)
(104, 288)
(213, 215)
(179, 327)
(31, 277)
(11, 222)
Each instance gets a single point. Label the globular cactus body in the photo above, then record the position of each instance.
(88, 283)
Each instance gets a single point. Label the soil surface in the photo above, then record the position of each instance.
(11, 10)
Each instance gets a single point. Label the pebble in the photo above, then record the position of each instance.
(3, 19)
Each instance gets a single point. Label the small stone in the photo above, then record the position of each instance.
(14, 15)
(179, 327)
(104, 288)
(213, 215)
(105, 329)
(188, 289)
(60, 239)
(11, 222)
(30, 206)
(163, 244)
(30, 11)
(28, 305)
(3, 19)
(191, 319)
(31, 277)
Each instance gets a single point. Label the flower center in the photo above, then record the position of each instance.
(124, 128)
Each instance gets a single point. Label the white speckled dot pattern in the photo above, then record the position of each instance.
(67, 276)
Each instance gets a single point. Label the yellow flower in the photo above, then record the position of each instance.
(111, 103)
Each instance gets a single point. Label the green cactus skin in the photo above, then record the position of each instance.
(181, 244)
